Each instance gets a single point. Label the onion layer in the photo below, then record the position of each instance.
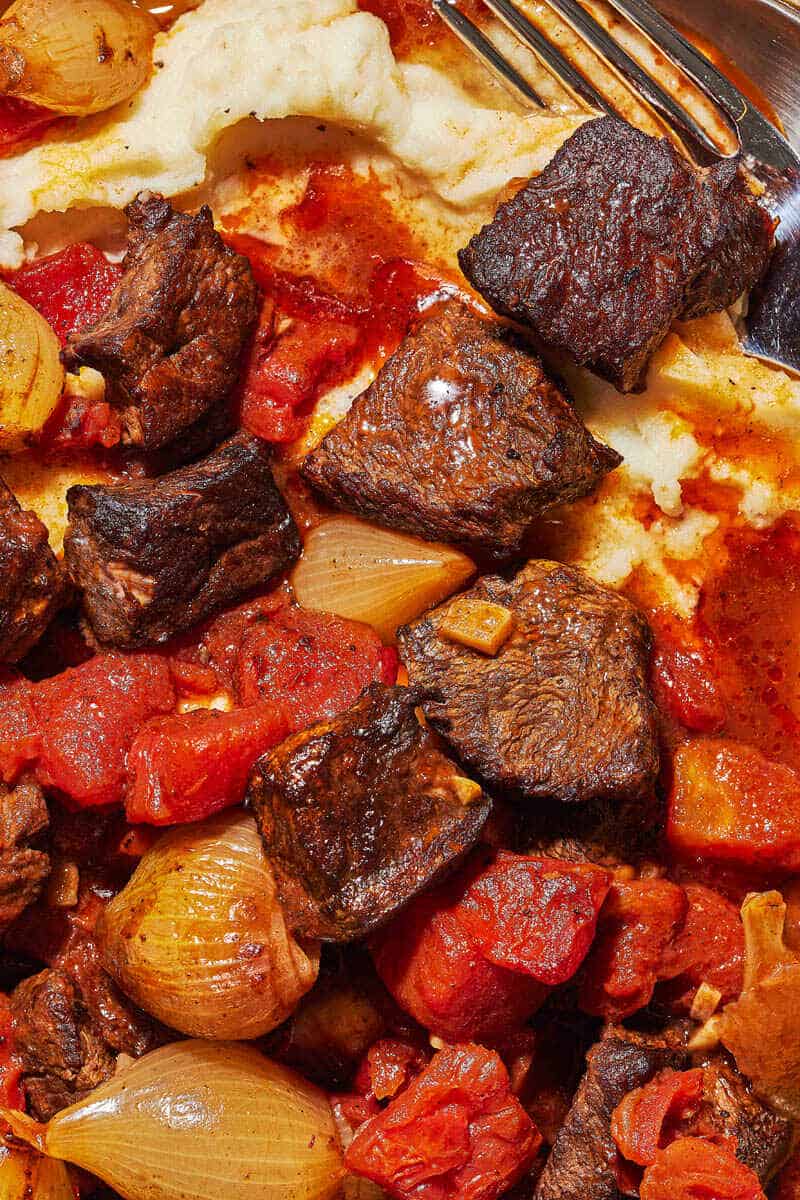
(32, 378)
(200, 1121)
(28, 1176)
(198, 938)
(75, 56)
(358, 570)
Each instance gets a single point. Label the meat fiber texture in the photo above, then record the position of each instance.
(169, 344)
(31, 579)
(154, 557)
(563, 709)
(619, 236)
(360, 813)
(463, 437)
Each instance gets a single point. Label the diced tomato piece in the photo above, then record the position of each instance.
(389, 1065)
(695, 1169)
(21, 121)
(708, 949)
(437, 973)
(684, 681)
(314, 663)
(637, 923)
(10, 1066)
(283, 379)
(534, 915)
(70, 289)
(187, 766)
(75, 729)
(456, 1133)
(648, 1118)
(731, 804)
(20, 739)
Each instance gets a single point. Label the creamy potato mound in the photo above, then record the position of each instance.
(233, 77)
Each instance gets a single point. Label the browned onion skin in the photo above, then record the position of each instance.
(198, 939)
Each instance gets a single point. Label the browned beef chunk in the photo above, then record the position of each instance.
(563, 709)
(461, 438)
(31, 578)
(360, 813)
(170, 344)
(63, 1057)
(763, 1139)
(23, 867)
(605, 832)
(70, 1022)
(582, 1162)
(616, 238)
(155, 556)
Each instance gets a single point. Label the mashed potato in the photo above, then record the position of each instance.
(432, 137)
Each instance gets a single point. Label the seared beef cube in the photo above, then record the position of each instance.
(615, 239)
(23, 867)
(70, 1022)
(581, 1165)
(461, 438)
(360, 813)
(31, 579)
(154, 557)
(170, 343)
(563, 709)
(763, 1139)
(63, 1057)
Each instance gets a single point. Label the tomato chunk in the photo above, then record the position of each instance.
(70, 289)
(646, 1120)
(637, 923)
(456, 1133)
(315, 664)
(187, 766)
(731, 804)
(75, 729)
(683, 676)
(438, 974)
(708, 949)
(534, 915)
(21, 121)
(694, 1169)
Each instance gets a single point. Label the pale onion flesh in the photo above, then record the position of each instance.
(761, 1028)
(32, 377)
(198, 938)
(384, 578)
(199, 1121)
(25, 1175)
(75, 56)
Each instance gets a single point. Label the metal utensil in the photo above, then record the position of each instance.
(771, 327)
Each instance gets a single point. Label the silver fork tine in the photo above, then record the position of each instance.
(601, 40)
(552, 57)
(758, 135)
(487, 52)
(666, 38)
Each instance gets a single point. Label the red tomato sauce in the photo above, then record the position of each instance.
(23, 124)
(749, 614)
(341, 292)
(413, 24)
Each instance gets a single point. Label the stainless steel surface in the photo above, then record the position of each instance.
(762, 37)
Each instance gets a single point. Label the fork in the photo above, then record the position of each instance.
(770, 330)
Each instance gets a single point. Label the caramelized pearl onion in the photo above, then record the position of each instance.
(197, 938)
(32, 377)
(199, 1121)
(383, 578)
(28, 1176)
(75, 56)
